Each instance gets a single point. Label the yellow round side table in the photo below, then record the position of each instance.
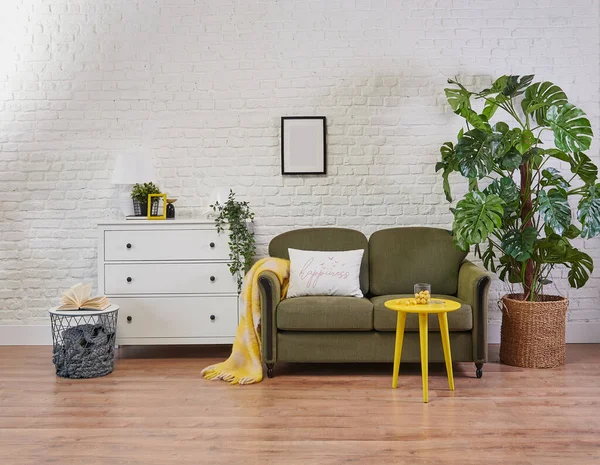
(439, 306)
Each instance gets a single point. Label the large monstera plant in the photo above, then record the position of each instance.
(517, 213)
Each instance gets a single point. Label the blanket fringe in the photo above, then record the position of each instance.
(213, 373)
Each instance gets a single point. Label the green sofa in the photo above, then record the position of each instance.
(350, 329)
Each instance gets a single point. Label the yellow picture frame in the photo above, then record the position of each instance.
(164, 210)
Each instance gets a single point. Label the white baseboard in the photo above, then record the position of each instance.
(577, 333)
(25, 335)
(40, 335)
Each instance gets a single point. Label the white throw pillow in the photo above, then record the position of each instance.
(325, 273)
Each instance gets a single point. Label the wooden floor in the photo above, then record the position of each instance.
(156, 409)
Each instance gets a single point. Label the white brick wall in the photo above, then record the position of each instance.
(202, 85)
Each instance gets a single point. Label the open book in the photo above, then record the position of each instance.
(78, 298)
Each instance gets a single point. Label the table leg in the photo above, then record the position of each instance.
(423, 333)
(400, 322)
(443, 319)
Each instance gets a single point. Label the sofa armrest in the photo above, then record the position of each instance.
(270, 296)
(473, 287)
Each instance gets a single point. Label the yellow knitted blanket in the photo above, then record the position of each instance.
(244, 365)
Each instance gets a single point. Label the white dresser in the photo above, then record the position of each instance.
(170, 279)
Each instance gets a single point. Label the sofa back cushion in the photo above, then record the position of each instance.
(401, 257)
(325, 239)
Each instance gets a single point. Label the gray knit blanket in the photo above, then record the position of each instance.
(87, 352)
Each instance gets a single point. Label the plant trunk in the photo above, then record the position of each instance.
(525, 192)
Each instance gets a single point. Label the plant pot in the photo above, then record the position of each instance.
(533, 333)
(139, 208)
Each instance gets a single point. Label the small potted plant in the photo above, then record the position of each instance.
(518, 211)
(139, 195)
(242, 246)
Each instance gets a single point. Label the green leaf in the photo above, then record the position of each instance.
(572, 130)
(498, 85)
(581, 265)
(539, 97)
(448, 164)
(488, 258)
(552, 249)
(492, 104)
(559, 155)
(515, 86)
(588, 212)
(506, 142)
(511, 160)
(525, 141)
(554, 209)
(459, 100)
(507, 268)
(582, 166)
(552, 177)
(474, 153)
(535, 157)
(501, 127)
(507, 190)
(572, 232)
(477, 121)
(476, 216)
(519, 244)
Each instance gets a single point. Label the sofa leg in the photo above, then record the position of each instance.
(479, 369)
(270, 367)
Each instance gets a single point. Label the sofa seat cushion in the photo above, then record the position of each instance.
(385, 319)
(325, 313)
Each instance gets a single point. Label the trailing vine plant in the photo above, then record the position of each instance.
(517, 212)
(242, 246)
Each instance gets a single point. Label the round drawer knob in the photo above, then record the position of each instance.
(128, 245)
(212, 245)
(129, 319)
(212, 278)
(212, 318)
(128, 279)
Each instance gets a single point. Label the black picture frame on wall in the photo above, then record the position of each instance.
(303, 145)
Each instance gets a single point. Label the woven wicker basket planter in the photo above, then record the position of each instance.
(533, 333)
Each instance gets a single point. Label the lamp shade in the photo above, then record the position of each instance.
(131, 168)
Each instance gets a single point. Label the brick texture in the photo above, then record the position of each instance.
(202, 84)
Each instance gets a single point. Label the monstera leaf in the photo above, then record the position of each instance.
(476, 216)
(511, 160)
(539, 97)
(581, 265)
(477, 121)
(525, 141)
(582, 166)
(519, 244)
(507, 138)
(459, 100)
(488, 256)
(572, 130)
(554, 209)
(448, 164)
(497, 87)
(474, 153)
(515, 86)
(492, 104)
(552, 177)
(589, 212)
(507, 190)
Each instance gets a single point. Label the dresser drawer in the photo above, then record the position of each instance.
(174, 317)
(168, 278)
(162, 244)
